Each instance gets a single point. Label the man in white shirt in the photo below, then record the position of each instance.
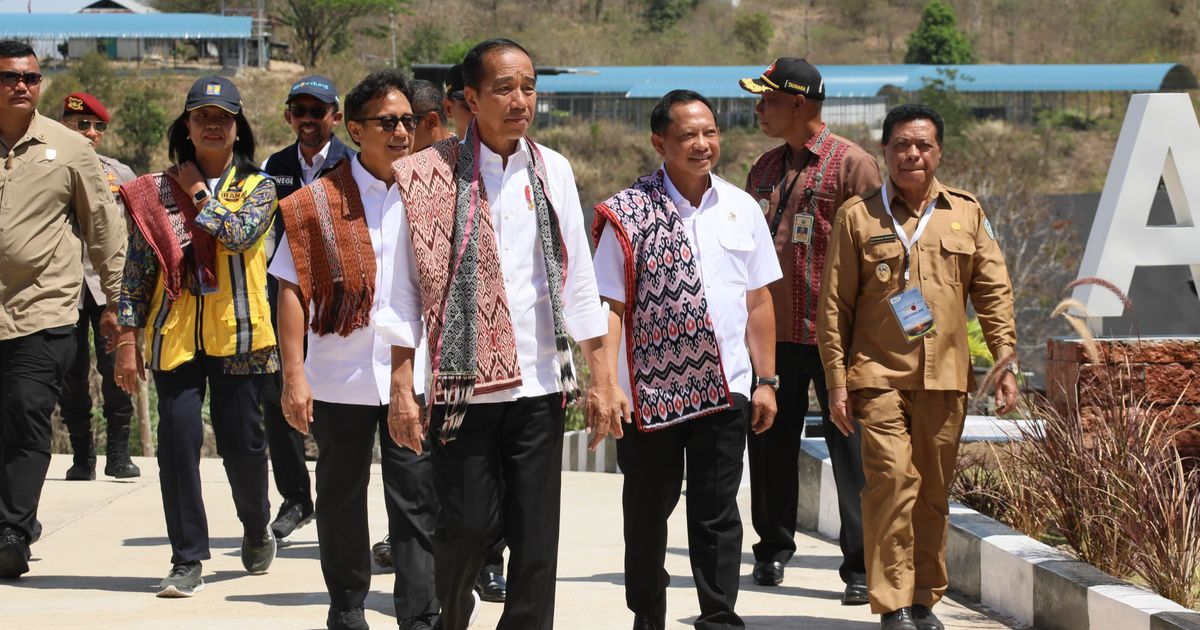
(684, 259)
(335, 270)
(498, 275)
(312, 111)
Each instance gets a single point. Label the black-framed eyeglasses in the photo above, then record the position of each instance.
(388, 123)
(84, 125)
(316, 112)
(9, 78)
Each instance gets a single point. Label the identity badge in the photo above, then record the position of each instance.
(912, 313)
(802, 229)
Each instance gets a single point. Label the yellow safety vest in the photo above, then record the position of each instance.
(234, 320)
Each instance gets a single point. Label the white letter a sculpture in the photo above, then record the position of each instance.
(1160, 137)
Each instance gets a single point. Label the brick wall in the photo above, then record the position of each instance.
(1162, 368)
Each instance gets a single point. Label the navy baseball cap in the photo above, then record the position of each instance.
(214, 90)
(788, 74)
(316, 86)
(455, 83)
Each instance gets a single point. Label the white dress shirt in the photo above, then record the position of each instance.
(736, 254)
(308, 173)
(356, 369)
(524, 269)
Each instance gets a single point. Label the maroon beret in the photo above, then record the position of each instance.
(84, 103)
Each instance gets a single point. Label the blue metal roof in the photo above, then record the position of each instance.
(869, 81)
(56, 26)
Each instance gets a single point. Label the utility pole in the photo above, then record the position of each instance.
(392, 24)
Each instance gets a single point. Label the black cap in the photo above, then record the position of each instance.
(316, 86)
(214, 90)
(788, 74)
(455, 83)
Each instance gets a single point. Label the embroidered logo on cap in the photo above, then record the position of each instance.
(212, 89)
(75, 103)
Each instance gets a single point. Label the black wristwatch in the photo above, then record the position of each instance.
(769, 381)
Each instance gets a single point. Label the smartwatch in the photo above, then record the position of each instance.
(201, 196)
(769, 381)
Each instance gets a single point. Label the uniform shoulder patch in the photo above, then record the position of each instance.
(958, 192)
(987, 227)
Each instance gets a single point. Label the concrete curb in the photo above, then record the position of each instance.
(577, 457)
(1031, 582)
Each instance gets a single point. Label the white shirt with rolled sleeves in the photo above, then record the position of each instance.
(524, 269)
(356, 369)
(736, 255)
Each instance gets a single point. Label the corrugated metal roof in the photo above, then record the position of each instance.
(869, 81)
(51, 26)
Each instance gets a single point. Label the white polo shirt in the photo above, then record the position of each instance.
(524, 270)
(736, 254)
(356, 369)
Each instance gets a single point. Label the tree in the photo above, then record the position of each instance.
(937, 40)
(661, 15)
(142, 124)
(322, 26)
(754, 31)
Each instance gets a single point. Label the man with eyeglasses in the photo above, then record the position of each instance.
(87, 115)
(335, 268)
(52, 192)
(312, 111)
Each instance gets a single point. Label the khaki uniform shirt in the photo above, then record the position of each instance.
(851, 171)
(51, 189)
(956, 258)
(115, 173)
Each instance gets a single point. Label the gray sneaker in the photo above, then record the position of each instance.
(183, 580)
(258, 551)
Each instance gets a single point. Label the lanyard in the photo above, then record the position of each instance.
(887, 206)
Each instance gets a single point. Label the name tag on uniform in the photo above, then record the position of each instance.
(802, 229)
(231, 196)
(285, 180)
(912, 313)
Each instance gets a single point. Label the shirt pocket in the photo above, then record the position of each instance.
(736, 247)
(954, 259)
(883, 268)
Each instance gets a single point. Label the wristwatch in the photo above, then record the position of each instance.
(1014, 368)
(201, 196)
(769, 381)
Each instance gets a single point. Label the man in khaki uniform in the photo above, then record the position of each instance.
(51, 187)
(892, 336)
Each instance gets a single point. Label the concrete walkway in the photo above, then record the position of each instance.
(104, 549)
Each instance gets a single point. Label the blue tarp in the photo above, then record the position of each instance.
(60, 26)
(870, 81)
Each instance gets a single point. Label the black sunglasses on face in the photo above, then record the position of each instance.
(315, 113)
(83, 125)
(10, 79)
(388, 123)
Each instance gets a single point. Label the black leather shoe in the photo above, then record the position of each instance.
(491, 586)
(642, 622)
(897, 620)
(768, 573)
(925, 619)
(14, 553)
(855, 594)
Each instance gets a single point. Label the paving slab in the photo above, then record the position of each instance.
(104, 549)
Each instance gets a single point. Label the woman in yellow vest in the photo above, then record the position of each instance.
(195, 288)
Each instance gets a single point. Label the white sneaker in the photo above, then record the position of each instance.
(476, 604)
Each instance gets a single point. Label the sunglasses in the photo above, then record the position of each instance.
(388, 123)
(84, 125)
(315, 113)
(11, 79)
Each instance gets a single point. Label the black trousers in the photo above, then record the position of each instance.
(286, 447)
(653, 464)
(76, 399)
(32, 369)
(502, 475)
(345, 435)
(235, 407)
(774, 466)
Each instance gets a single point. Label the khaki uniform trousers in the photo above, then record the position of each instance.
(909, 450)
